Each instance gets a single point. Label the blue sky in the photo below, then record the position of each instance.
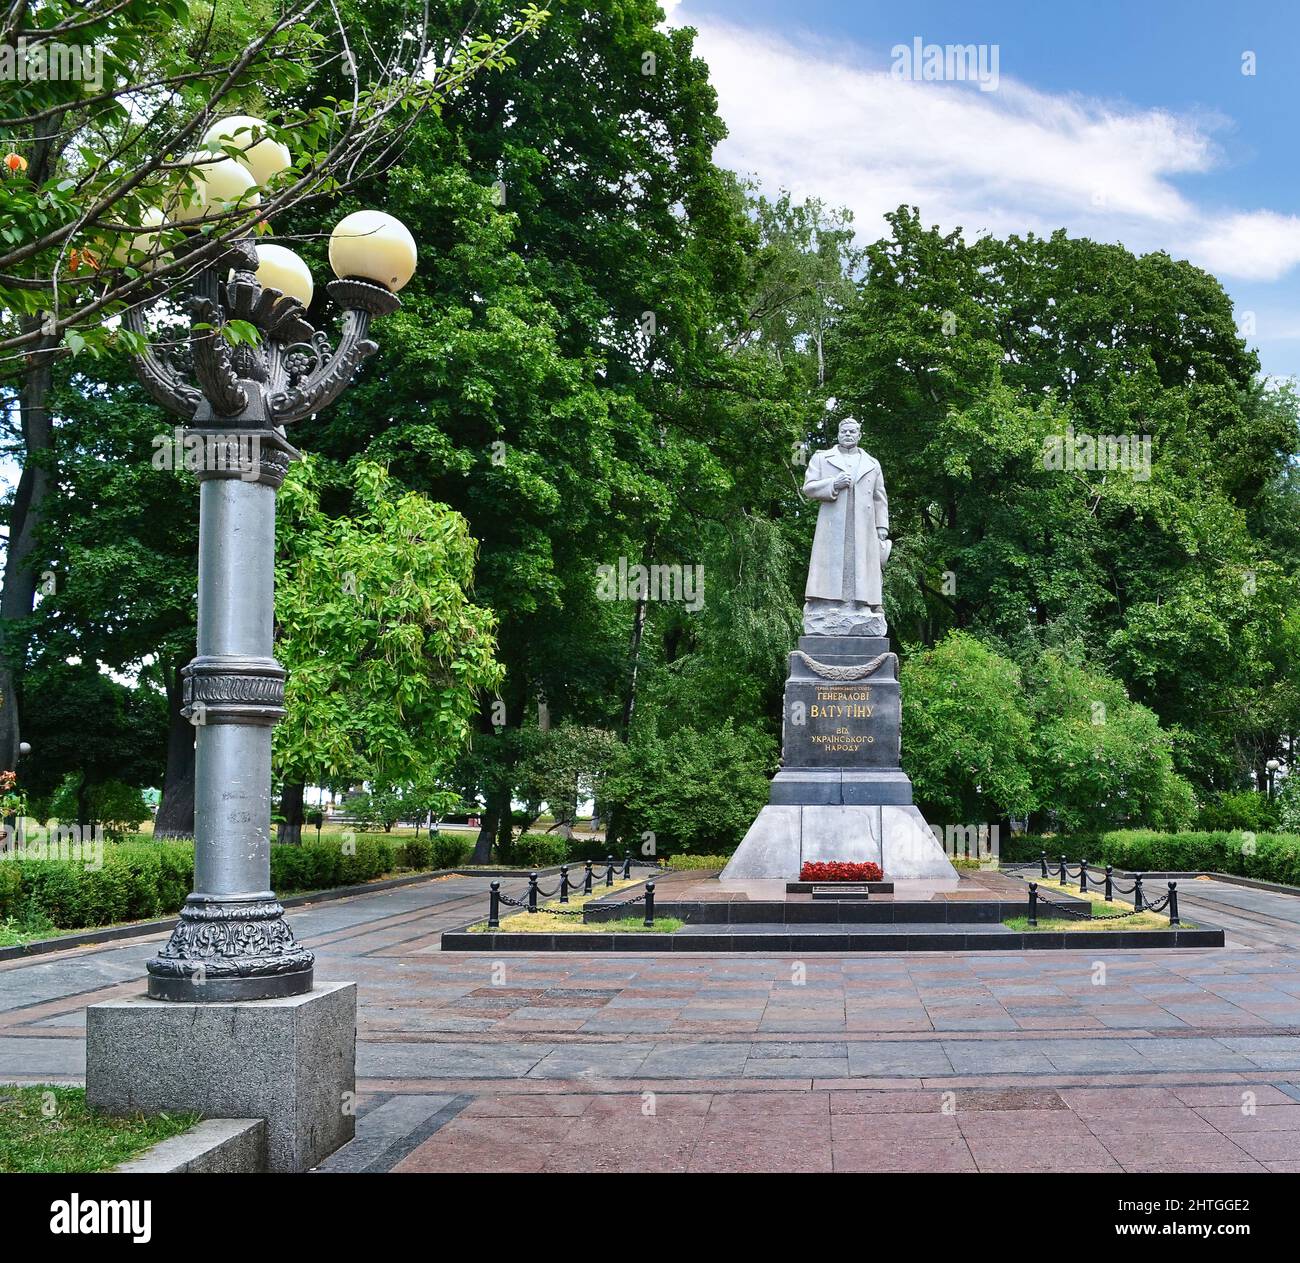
(1130, 122)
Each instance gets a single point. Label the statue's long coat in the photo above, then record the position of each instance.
(870, 511)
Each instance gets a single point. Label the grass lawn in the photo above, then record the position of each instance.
(544, 922)
(1105, 916)
(14, 934)
(51, 1129)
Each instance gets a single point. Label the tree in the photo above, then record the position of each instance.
(689, 791)
(90, 731)
(967, 733)
(1099, 760)
(561, 372)
(386, 654)
(114, 190)
(967, 360)
(116, 557)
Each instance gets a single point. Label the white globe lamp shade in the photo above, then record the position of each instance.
(263, 158)
(375, 247)
(132, 249)
(279, 268)
(212, 186)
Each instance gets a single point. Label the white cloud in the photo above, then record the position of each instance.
(831, 121)
(1256, 245)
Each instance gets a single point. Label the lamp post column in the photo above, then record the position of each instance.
(232, 941)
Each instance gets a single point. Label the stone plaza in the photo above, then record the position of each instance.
(1101, 1060)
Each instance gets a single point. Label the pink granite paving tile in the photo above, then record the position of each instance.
(1141, 1122)
(903, 1154)
(519, 1106)
(1049, 1125)
(624, 1106)
(1270, 1146)
(1090, 1101)
(1148, 1152)
(646, 1144)
(1198, 1168)
(785, 1104)
(933, 1125)
(488, 1144)
(775, 1143)
(1230, 1119)
(1230, 1095)
(1040, 1153)
(901, 1101)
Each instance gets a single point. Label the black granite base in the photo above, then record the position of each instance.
(780, 940)
(886, 912)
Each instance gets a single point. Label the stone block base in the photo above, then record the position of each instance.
(783, 838)
(290, 1061)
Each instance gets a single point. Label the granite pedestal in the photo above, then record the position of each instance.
(290, 1061)
(841, 792)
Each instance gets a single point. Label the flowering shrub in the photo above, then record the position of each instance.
(839, 871)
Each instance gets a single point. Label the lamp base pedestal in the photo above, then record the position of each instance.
(290, 1061)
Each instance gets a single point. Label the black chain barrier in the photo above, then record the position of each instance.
(1140, 904)
(496, 899)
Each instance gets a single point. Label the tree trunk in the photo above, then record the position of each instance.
(18, 595)
(638, 630)
(84, 822)
(487, 829)
(175, 817)
(290, 830)
(505, 825)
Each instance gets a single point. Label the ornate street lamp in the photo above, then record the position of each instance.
(232, 941)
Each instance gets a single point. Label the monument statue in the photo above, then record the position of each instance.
(841, 792)
(844, 592)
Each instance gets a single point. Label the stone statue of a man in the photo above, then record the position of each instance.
(843, 596)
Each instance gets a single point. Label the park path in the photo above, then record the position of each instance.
(1106, 1060)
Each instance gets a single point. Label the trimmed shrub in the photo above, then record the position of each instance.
(684, 863)
(593, 849)
(450, 850)
(1239, 853)
(1025, 848)
(413, 852)
(331, 862)
(538, 850)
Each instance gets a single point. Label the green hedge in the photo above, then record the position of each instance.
(142, 880)
(1264, 856)
(681, 863)
(449, 850)
(539, 850)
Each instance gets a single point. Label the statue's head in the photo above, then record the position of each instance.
(850, 432)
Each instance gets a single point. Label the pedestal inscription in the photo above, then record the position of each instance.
(841, 725)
